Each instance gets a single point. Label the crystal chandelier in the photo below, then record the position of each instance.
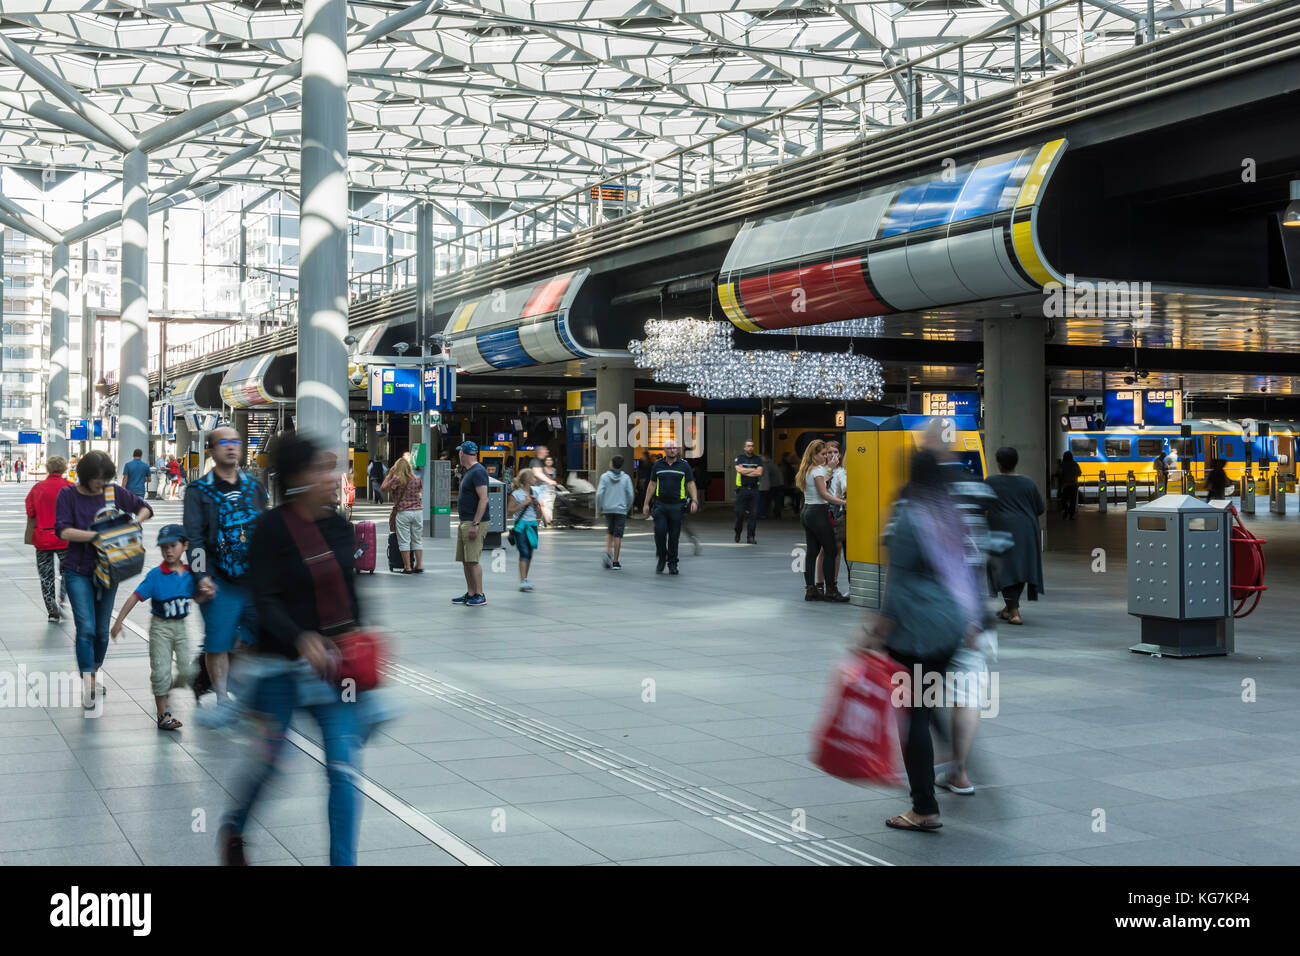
(701, 355)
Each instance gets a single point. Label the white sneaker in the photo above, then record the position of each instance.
(525, 586)
(606, 560)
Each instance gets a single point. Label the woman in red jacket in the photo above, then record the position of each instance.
(40, 533)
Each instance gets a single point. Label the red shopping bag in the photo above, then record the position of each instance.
(858, 736)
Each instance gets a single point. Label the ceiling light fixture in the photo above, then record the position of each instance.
(700, 354)
(1291, 214)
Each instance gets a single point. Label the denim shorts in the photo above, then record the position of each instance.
(228, 617)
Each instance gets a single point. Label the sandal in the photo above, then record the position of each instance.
(905, 821)
(168, 722)
(1010, 616)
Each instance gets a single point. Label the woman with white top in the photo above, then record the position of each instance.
(839, 480)
(813, 478)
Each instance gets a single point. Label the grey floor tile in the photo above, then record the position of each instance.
(540, 849)
(644, 840)
(716, 858)
(571, 815)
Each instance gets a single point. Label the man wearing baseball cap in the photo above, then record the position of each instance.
(168, 588)
(472, 506)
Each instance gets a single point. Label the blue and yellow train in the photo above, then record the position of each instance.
(1118, 451)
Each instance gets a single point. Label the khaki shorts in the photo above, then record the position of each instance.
(469, 550)
(168, 641)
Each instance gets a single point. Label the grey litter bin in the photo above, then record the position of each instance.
(1179, 577)
(496, 515)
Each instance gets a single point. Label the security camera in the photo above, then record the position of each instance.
(400, 348)
(1129, 380)
(1263, 388)
(350, 340)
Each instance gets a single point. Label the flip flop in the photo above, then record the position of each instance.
(922, 826)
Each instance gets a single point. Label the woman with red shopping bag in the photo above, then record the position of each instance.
(931, 607)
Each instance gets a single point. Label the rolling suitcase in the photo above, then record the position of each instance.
(394, 553)
(364, 534)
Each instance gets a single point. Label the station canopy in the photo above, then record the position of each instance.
(505, 104)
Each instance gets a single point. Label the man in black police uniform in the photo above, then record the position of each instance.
(672, 485)
(749, 469)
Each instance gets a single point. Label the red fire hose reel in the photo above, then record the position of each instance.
(1247, 567)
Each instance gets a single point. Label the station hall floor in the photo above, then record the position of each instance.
(530, 737)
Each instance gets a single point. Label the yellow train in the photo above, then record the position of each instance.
(1117, 451)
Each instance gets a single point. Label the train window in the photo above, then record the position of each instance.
(1184, 448)
(1117, 447)
(1150, 447)
(1083, 447)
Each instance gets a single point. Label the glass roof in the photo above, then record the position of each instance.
(509, 103)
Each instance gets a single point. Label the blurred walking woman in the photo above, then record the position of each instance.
(304, 585)
(1016, 512)
(92, 606)
(523, 505)
(931, 606)
(813, 477)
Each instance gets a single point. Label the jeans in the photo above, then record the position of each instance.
(820, 536)
(668, 529)
(48, 564)
(1011, 594)
(918, 747)
(747, 501)
(274, 699)
(92, 612)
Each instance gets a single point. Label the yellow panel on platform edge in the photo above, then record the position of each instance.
(461, 322)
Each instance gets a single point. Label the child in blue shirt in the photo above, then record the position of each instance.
(168, 588)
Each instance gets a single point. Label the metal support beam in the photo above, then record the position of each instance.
(424, 269)
(133, 368)
(56, 396)
(43, 110)
(117, 133)
(20, 219)
(323, 303)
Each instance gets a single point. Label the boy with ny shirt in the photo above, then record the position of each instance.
(168, 588)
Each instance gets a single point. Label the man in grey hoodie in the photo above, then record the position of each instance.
(614, 497)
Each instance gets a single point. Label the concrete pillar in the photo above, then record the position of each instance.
(56, 399)
(133, 368)
(616, 394)
(323, 303)
(239, 419)
(1015, 394)
(182, 437)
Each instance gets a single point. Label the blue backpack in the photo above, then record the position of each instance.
(237, 516)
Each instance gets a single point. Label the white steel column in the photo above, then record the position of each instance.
(323, 303)
(133, 369)
(56, 396)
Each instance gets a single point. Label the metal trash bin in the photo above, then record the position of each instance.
(495, 519)
(1180, 576)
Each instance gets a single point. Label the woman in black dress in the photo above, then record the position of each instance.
(1016, 512)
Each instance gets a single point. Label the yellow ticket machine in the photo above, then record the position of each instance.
(877, 460)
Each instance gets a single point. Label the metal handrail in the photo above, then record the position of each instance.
(1197, 55)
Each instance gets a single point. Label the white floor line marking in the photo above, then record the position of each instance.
(758, 824)
(444, 839)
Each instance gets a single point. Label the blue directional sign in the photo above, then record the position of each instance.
(950, 403)
(398, 389)
(29, 438)
(80, 430)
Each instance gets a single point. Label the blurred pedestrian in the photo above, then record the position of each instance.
(1216, 481)
(135, 474)
(543, 468)
(375, 473)
(1015, 511)
(1069, 487)
(931, 608)
(221, 511)
(304, 584)
(42, 536)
